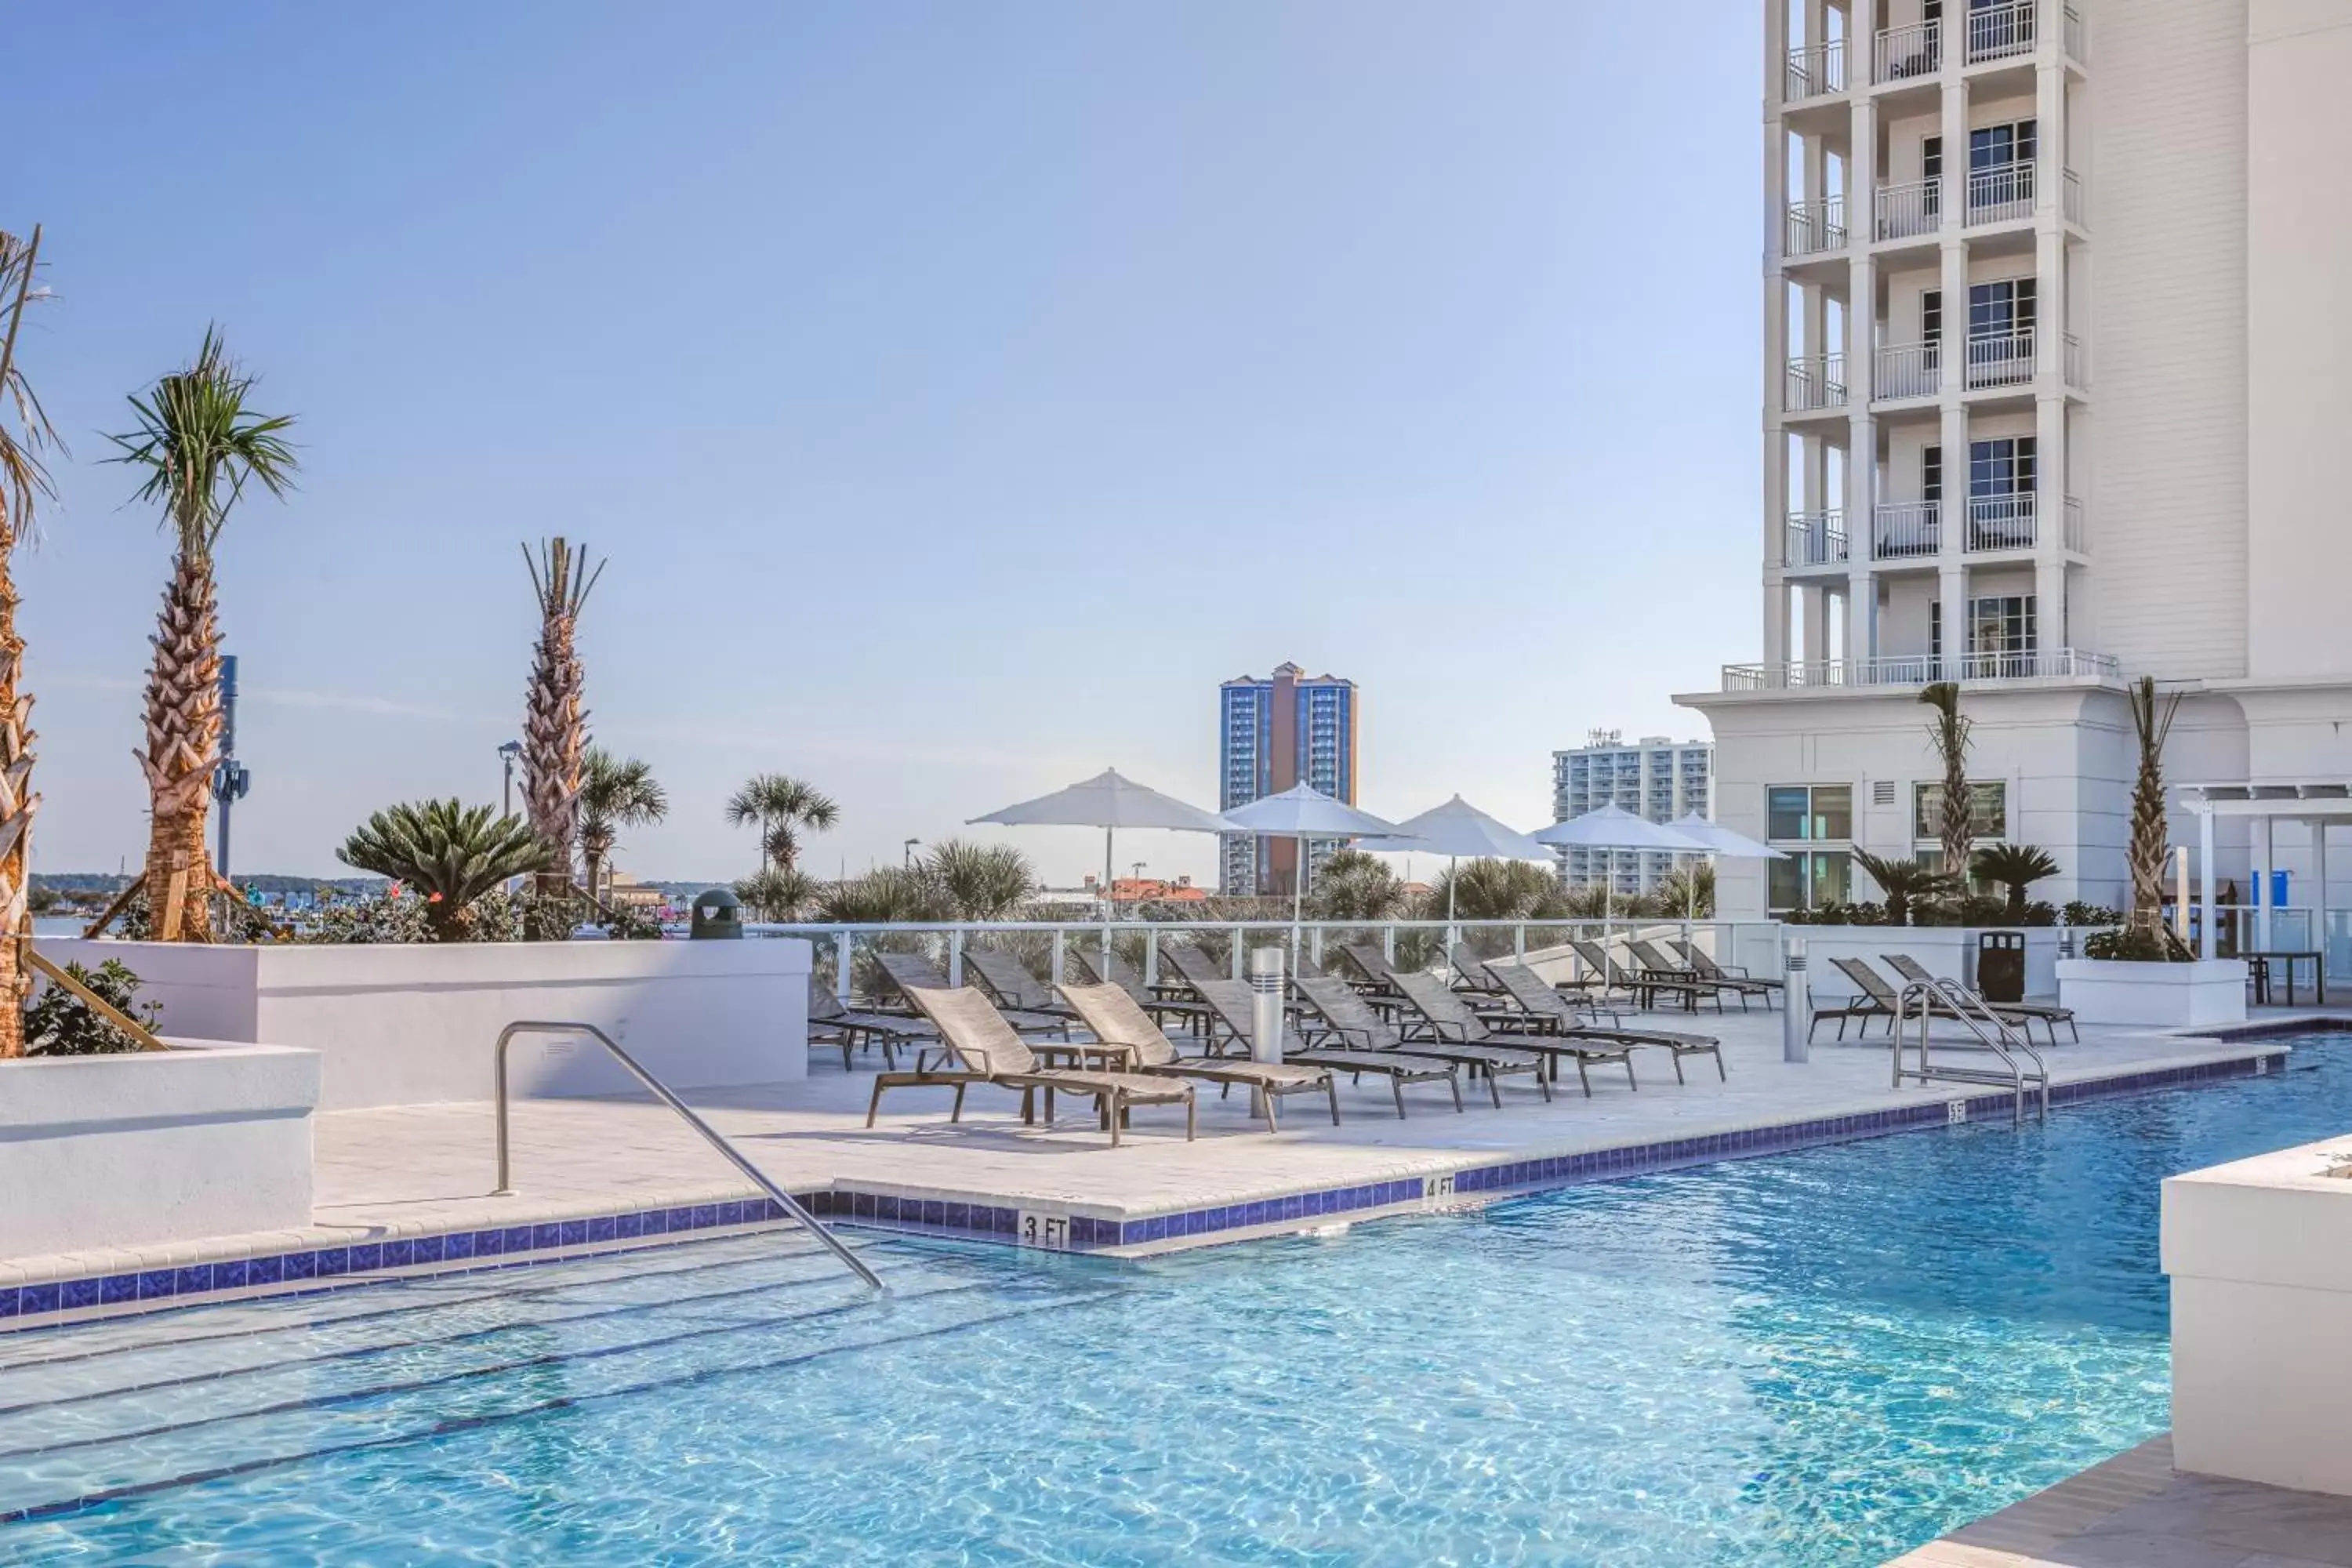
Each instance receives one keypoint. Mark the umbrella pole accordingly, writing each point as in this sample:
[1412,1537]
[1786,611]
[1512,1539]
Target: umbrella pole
[1298,897]
[1107,903]
[1452,932]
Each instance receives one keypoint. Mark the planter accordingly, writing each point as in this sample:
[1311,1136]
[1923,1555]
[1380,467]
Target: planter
[415,1025]
[1949,953]
[2154,996]
[156,1146]
[2260,1253]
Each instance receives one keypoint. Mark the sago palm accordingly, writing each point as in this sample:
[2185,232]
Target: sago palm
[614,793]
[555,725]
[1948,734]
[2016,866]
[2150,837]
[200,446]
[782,808]
[23,482]
[1902,883]
[448,854]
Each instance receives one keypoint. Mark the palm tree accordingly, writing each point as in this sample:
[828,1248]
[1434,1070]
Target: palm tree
[22,482]
[2016,866]
[1685,889]
[450,854]
[887,895]
[783,808]
[776,893]
[555,726]
[1499,891]
[614,793]
[2150,837]
[1949,733]
[200,446]
[981,881]
[1902,881]
[1356,885]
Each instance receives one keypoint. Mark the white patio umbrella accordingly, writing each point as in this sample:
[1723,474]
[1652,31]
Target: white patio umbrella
[1459,831]
[1109,802]
[1300,813]
[1612,829]
[1722,841]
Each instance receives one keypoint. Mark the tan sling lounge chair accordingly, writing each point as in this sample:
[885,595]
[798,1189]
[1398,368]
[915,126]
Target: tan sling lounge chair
[1349,1017]
[1556,1015]
[1115,1017]
[1234,1005]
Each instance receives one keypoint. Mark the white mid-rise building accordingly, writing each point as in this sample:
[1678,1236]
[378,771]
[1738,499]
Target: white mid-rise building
[2054,336]
[1654,778]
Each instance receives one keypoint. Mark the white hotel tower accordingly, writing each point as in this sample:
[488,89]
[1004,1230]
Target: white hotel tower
[2057,347]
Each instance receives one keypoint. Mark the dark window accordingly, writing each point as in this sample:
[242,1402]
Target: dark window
[1935,629]
[1997,146]
[1931,474]
[1997,310]
[2001,467]
[1931,316]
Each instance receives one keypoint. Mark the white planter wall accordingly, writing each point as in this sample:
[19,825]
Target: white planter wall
[1949,953]
[156,1146]
[2154,996]
[2260,1253]
[415,1025]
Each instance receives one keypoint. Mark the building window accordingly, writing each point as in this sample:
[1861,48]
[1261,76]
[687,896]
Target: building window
[1988,816]
[1809,879]
[1809,816]
[1931,316]
[1999,146]
[2002,623]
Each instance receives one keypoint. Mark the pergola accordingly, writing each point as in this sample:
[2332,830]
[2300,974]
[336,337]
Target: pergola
[2318,803]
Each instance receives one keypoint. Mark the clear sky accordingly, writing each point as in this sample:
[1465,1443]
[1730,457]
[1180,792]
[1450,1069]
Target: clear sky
[959,391]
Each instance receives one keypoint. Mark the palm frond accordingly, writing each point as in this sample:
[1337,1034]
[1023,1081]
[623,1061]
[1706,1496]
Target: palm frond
[24,478]
[200,446]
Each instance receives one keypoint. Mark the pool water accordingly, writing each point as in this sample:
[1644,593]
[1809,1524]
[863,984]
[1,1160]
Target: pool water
[1820,1358]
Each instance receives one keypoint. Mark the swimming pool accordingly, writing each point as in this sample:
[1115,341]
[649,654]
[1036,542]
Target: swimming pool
[1818,1358]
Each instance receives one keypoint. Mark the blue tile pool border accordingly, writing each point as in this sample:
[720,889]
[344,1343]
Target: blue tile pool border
[343,1264]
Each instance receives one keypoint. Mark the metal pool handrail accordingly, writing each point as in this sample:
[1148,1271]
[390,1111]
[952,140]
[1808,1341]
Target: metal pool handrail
[661,1091]
[1978,1016]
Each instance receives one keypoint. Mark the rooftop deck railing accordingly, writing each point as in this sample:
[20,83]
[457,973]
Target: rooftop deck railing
[1919,669]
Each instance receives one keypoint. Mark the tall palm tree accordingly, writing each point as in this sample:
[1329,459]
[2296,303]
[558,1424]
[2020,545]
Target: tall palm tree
[448,854]
[555,726]
[614,793]
[783,808]
[2016,866]
[200,446]
[1901,882]
[1949,733]
[2150,835]
[22,482]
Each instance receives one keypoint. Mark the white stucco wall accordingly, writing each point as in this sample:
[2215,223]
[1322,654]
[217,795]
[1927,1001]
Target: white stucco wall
[213,1139]
[412,1025]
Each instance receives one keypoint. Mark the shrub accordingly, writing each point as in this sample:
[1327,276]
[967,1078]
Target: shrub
[60,1024]
[2078,913]
[2139,945]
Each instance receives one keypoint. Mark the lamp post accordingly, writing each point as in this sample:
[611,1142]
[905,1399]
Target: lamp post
[907,854]
[508,754]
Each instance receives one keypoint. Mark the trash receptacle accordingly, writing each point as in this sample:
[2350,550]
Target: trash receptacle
[2000,965]
[716,914]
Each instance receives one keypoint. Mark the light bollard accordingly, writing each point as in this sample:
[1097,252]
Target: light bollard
[1796,1004]
[1265,1013]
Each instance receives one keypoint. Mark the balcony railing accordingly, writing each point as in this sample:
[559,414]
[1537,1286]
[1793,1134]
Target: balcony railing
[2003,522]
[1905,530]
[1906,52]
[2075,364]
[1920,669]
[2000,193]
[1908,210]
[1815,227]
[2077,42]
[2070,189]
[1816,382]
[1815,539]
[2001,359]
[1997,32]
[2073,538]
[1814,69]
[1910,369]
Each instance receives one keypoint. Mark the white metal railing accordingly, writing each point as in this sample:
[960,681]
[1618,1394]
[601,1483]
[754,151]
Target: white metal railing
[2076,367]
[1906,52]
[1908,370]
[1905,530]
[1815,227]
[1910,209]
[2076,41]
[1816,382]
[2070,187]
[2072,537]
[1814,69]
[1815,539]
[2002,521]
[2001,359]
[1997,32]
[2000,193]
[1919,669]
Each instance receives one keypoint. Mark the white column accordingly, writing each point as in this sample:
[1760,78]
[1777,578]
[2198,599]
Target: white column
[1952,592]
[1862,337]
[2207,939]
[2263,888]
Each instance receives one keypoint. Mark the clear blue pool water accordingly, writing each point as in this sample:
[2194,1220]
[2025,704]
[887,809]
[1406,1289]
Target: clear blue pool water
[1823,1358]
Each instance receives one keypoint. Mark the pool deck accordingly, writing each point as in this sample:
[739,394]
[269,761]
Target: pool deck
[2137,1511]
[408,1188]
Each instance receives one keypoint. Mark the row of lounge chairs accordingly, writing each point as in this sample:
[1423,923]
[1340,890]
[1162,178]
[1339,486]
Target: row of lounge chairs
[1423,1032]
[1878,999]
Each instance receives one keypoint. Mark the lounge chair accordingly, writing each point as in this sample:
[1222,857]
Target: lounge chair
[1448,1017]
[1863,1009]
[1010,985]
[1529,991]
[989,1050]
[1233,1003]
[1879,1000]
[1642,987]
[910,974]
[2023,1013]
[1114,971]
[1113,1017]
[1347,1015]
[829,1022]
[1704,965]
[1656,959]
[1372,965]
[1470,968]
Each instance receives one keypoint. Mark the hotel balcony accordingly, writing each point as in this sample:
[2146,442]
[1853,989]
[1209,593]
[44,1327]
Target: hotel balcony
[1905,530]
[2001,194]
[1814,69]
[1814,228]
[1914,530]
[1920,669]
[1906,52]
[2001,32]
[1994,360]
[1813,540]
[1909,210]
[1815,382]
[2001,359]
[1908,370]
